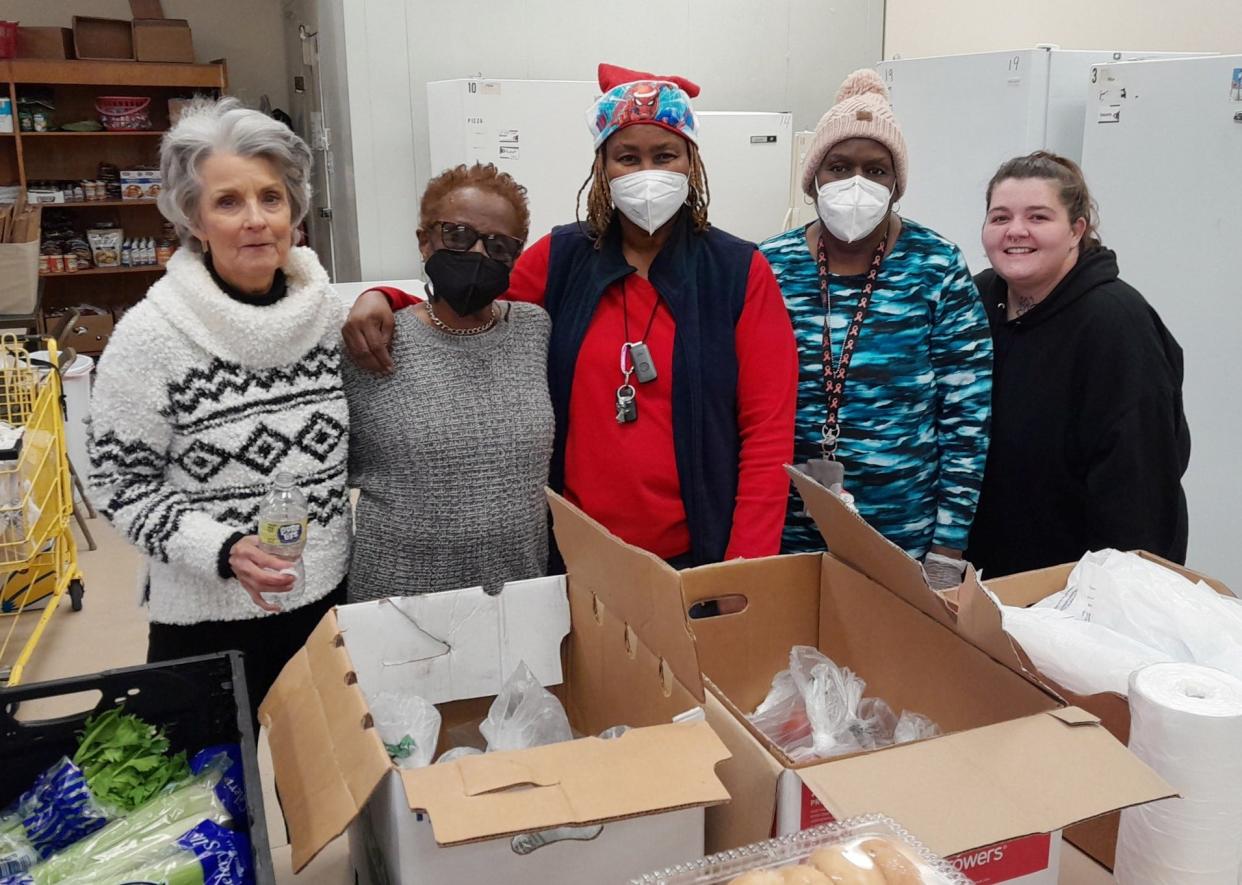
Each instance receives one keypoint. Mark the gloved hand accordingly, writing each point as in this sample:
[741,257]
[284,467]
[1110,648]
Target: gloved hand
[943,572]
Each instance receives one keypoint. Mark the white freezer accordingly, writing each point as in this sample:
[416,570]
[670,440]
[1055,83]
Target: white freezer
[536,131]
[964,115]
[1162,152]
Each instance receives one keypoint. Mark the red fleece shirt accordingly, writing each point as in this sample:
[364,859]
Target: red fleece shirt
[625,475]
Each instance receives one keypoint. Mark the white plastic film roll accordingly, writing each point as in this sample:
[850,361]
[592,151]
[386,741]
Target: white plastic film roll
[1186,723]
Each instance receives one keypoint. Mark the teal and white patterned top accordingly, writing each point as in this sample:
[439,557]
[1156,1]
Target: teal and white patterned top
[917,402]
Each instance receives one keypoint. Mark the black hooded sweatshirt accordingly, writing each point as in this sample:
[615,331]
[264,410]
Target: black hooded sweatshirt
[1089,440]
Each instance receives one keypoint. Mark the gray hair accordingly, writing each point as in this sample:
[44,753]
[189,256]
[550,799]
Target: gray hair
[223,125]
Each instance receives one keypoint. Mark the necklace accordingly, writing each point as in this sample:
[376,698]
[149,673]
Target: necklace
[449,330]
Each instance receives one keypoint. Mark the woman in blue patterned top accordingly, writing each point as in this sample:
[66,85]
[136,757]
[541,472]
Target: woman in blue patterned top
[910,367]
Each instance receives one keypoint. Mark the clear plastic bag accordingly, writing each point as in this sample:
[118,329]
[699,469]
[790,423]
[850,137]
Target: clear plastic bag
[912,727]
[816,710]
[408,725]
[524,714]
[458,753]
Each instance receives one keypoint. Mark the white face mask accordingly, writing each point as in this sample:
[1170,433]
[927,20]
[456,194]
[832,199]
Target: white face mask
[651,197]
[852,208]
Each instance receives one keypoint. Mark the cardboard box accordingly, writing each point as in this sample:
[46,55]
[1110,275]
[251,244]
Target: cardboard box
[140,184]
[19,277]
[1015,764]
[552,814]
[102,38]
[89,334]
[163,40]
[980,621]
[45,43]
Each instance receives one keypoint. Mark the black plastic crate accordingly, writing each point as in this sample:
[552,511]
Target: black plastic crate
[198,702]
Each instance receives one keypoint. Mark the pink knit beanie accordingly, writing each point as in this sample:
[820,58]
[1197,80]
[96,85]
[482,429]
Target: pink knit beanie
[862,111]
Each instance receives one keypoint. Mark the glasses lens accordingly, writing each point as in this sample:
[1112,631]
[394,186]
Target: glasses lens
[458,237]
[501,248]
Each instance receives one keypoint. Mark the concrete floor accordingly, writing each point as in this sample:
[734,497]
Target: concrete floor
[111,631]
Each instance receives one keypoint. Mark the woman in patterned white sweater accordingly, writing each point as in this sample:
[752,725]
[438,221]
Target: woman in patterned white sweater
[226,373]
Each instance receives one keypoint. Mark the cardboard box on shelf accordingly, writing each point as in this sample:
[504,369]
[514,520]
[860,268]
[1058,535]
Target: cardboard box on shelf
[163,40]
[89,334]
[106,39]
[140,184]
[45,43]
[1014,766]
[980,621]
[554,814]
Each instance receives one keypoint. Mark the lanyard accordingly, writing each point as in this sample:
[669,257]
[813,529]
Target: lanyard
[834,375]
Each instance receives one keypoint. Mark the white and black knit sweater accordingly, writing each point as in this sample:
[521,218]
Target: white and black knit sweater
[199,401]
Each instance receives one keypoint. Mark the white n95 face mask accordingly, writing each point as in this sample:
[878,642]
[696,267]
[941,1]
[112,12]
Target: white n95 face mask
[852,208]
[651,197]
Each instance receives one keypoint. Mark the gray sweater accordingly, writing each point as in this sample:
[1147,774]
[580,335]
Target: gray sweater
[450,454]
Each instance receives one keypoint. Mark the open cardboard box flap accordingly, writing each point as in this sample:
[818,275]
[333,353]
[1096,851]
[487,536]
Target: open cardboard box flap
[587,781]
[991,784]
[851,540]
[327,758]
[638,587]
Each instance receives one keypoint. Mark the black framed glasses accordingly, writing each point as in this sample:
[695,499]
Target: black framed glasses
[462,237]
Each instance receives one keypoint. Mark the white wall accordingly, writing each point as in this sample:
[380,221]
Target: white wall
[915,28]
[782,55]
[245,32]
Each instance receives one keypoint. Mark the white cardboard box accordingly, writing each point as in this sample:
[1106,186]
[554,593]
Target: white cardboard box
[541,816]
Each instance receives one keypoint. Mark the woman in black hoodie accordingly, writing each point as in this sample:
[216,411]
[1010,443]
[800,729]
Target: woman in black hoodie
[1089,440]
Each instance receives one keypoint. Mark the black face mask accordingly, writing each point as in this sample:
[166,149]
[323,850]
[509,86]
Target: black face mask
[466,281]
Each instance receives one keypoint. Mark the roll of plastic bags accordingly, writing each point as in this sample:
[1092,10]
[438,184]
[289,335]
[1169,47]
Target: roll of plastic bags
[1186,723]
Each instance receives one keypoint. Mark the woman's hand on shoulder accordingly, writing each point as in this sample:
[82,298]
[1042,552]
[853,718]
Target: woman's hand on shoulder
[259,572]
[368,333]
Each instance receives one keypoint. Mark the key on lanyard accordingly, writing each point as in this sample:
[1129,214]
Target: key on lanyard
[627,409]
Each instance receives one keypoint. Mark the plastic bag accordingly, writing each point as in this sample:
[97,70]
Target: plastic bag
[1119,613]
[613,733]
[226,759]
[142,833]
[816,710]
[458,753]
[524,714]
[913,727]
[408,725]
[55,812]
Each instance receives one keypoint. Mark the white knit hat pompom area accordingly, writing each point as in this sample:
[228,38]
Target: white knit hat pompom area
[862,110]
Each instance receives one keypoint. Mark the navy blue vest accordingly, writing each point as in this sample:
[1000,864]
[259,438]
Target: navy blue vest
[702,278]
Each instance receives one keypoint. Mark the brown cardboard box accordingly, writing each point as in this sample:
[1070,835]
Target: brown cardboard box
[980,621]
[102,38]
[89,334]
[641,795]
[45,43]
[163,40]
[1014,765]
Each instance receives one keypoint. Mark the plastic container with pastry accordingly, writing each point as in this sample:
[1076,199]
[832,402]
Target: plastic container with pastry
[868,850]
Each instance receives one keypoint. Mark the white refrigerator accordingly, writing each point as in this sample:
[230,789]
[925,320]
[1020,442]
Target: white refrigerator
[963,115]
[536,131]
[1162,152]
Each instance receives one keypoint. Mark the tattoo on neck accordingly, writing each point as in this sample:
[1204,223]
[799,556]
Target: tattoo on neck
[1022,305]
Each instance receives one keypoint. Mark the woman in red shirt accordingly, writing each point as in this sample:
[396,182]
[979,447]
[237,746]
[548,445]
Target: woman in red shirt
[672,364]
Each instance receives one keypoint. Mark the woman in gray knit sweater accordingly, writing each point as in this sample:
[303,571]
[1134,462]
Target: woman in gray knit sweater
[450,450]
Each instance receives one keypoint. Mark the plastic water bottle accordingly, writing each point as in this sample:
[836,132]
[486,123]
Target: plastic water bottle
[282,529]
